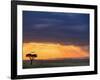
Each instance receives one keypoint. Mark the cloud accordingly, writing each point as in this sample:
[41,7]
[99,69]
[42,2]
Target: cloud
[41,26]
[64,28]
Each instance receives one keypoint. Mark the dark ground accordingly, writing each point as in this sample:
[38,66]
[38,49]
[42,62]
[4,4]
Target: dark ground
[55,63]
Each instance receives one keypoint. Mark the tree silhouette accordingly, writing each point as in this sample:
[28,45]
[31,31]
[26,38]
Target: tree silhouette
[31,56]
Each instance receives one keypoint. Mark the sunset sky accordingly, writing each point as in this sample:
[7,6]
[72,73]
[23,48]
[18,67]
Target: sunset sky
[55,35]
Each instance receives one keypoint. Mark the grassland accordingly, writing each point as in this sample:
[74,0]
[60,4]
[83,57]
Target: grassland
[55,63]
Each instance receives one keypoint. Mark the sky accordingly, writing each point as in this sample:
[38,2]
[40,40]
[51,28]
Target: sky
[62,32]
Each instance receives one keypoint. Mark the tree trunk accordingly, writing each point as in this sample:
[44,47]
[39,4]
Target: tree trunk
[31,62]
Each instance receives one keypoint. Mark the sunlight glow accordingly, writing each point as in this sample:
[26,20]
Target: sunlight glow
[48,51]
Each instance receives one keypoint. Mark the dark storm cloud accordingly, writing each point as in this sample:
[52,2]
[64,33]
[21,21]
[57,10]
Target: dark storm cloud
[65,28]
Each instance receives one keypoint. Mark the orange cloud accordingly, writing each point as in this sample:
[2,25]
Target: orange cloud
[54,51]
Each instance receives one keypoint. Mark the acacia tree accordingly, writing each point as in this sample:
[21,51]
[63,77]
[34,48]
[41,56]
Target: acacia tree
[31,57]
